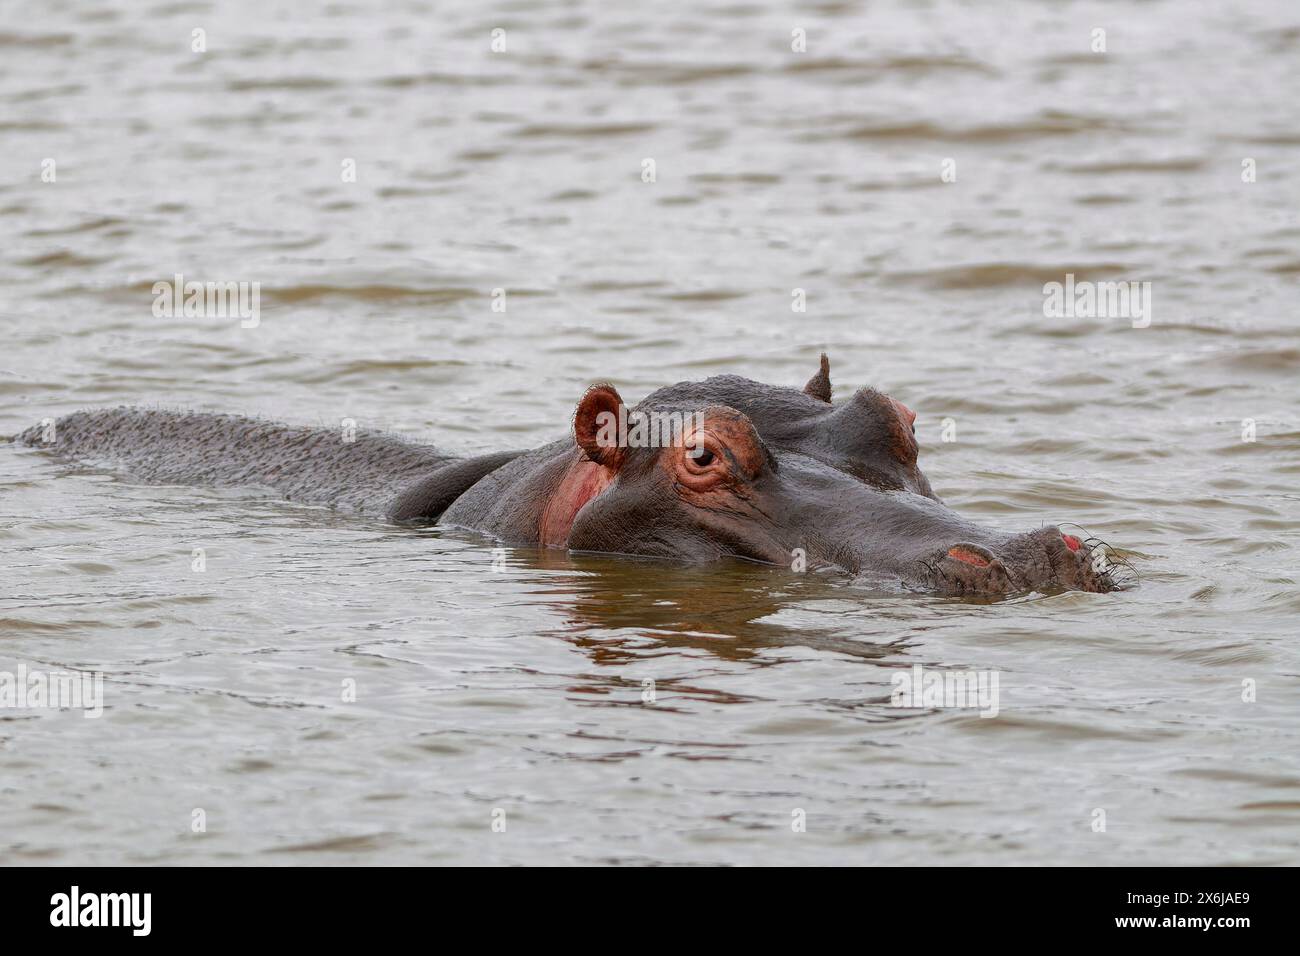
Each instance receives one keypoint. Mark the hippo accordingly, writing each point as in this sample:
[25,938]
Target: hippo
[761,473]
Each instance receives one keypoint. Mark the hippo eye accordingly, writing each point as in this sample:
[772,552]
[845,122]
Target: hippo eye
[703,463]
[702,457]
[728,453]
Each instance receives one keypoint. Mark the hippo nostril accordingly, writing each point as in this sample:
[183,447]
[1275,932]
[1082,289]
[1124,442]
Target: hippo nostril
[1071,541]
[972,569]
[969,555]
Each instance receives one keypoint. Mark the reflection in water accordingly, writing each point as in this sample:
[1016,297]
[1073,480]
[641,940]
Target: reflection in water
[727,609]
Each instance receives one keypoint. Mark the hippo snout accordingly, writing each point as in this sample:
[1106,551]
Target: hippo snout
[1046,559]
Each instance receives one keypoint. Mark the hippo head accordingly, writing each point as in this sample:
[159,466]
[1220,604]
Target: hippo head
[780,475]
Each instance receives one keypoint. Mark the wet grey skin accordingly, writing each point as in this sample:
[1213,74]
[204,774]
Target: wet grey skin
[772,474]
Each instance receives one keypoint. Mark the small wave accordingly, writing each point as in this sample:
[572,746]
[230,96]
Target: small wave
[911,66]
[343,844]
[371,369]
[704,295]
[1058,730]
[49,92]
[368,293]
[1253,360]
[282,83]
[62,257]
[87,225]
[1184,165]
[664,74]
[582,130]
[409,80]
[747,179]
[1046,124]
[363,292]
[1275,139]
[30,40]
[29,126]
[993,275]
[573,195]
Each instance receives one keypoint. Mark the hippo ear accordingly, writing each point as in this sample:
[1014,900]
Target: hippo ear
[819,386]
[596,425]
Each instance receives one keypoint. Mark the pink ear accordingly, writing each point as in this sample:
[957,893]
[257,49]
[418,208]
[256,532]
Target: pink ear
[908,415]
[599,407]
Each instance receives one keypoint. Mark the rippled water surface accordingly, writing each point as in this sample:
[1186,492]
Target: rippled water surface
[520,689]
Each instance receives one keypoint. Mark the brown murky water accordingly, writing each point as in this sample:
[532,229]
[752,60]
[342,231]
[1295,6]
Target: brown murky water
[520,690]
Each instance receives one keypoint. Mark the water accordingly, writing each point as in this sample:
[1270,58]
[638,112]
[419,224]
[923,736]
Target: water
[520,690]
